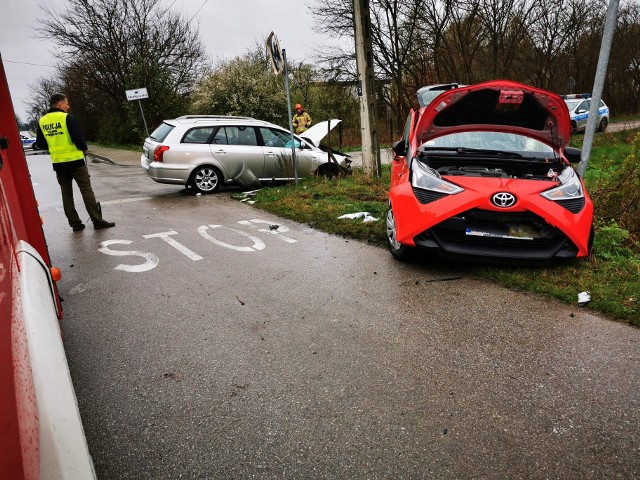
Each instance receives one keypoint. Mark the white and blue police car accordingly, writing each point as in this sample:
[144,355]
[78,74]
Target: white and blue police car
[27,139]
[579,105]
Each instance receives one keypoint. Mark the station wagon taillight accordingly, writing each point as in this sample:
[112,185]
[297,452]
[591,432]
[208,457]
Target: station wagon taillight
[159,152]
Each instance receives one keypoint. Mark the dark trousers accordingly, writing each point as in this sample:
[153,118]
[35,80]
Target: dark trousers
[82,178]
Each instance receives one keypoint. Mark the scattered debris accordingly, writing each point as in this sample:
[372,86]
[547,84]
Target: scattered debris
[246,196]
[274,227]
[583,298]
[198,194]
[241,302]
[366,216]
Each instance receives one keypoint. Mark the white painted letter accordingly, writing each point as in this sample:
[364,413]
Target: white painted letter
[257,243]
[276,231]
[175,244]
[151,260]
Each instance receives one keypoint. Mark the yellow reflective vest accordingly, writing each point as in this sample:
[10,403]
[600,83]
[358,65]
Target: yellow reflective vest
[61,148]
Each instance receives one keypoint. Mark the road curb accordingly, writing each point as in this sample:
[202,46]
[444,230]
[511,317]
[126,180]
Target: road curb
[99,158]
[103,159]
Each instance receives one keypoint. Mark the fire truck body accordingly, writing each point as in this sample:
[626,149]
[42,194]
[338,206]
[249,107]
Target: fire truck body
[41,434]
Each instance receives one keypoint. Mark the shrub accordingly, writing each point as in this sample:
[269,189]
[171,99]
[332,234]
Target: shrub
[616,195]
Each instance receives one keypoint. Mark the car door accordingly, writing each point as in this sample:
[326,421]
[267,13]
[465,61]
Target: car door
[193,148]
[582,114]
[235,146]
[278,157]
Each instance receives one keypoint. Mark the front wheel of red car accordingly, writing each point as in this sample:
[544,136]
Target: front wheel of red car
[398,250]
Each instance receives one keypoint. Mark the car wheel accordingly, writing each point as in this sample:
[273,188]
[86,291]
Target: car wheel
[206,179]
[603,125]
[328,170]
[574,128]
[398,250]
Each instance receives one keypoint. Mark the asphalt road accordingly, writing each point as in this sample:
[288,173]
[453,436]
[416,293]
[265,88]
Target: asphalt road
[208,339]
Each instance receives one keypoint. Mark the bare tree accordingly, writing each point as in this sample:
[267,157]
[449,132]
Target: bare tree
[42,90]
[420,42]
[622,89]
[109,46]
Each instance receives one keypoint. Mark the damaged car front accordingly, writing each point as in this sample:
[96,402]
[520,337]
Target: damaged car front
[484,172]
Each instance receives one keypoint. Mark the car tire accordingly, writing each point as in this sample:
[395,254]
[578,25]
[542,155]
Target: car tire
[206,179]
[604,123]
[399,251]
[328,170]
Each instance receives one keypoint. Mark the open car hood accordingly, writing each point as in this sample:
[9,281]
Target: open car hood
[497,105]
[318,131]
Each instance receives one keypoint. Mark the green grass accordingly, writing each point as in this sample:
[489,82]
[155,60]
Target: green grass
[611,274]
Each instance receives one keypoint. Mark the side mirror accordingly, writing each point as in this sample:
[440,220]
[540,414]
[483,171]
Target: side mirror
[573,154]
[400,148]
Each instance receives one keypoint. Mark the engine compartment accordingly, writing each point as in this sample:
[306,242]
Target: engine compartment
[528,169]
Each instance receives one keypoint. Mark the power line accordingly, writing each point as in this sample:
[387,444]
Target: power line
[27,63]
[198,11]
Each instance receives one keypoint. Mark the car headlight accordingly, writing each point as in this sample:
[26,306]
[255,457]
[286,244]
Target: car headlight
[427,178]
[570,188]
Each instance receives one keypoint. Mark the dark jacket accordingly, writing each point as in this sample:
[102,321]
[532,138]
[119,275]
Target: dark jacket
[76,137]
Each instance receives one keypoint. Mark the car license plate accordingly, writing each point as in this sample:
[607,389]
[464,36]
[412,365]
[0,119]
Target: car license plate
[498,234]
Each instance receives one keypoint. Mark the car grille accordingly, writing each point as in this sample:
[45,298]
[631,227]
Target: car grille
[498,234]
[427,196]
[574,205]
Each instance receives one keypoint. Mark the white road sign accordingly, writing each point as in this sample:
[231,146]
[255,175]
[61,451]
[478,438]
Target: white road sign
[137,94]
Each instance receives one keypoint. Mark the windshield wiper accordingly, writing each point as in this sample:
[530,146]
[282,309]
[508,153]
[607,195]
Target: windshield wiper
[482,151]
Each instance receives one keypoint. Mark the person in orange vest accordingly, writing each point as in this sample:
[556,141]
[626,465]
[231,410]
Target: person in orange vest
[301,120]
[60,133]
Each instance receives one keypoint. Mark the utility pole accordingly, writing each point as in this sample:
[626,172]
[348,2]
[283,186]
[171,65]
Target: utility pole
[598,85]
[366,88]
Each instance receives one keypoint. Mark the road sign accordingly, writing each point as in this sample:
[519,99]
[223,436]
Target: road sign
[275,53]
[137,94]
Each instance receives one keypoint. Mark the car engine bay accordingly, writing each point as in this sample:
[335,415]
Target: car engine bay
[527,169]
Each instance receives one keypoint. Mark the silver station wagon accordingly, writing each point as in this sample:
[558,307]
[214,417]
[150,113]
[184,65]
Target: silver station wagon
[205,152]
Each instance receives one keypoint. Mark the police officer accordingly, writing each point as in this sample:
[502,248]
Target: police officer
[60,133]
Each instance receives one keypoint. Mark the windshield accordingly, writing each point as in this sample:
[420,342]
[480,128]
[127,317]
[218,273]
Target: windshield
[500,141]
[571,104]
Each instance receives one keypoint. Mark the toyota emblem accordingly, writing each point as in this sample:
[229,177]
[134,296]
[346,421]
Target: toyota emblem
[503,199]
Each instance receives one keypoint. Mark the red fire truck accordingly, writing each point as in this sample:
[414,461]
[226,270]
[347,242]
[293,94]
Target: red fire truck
[41,434]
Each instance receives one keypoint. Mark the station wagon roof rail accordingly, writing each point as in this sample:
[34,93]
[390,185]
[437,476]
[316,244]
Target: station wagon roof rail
[212,117]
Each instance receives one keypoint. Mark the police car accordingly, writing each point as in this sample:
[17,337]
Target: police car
[579,105]
[27,139]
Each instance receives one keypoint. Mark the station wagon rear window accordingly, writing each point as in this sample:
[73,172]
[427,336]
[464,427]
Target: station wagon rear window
[160,133]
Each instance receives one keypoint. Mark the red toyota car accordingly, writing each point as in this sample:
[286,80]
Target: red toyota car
[483,172]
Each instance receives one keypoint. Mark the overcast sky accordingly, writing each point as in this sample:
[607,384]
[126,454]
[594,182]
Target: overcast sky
[227,27]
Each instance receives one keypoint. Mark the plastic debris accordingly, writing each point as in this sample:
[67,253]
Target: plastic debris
[366,216]
[583,298]
[198,194]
